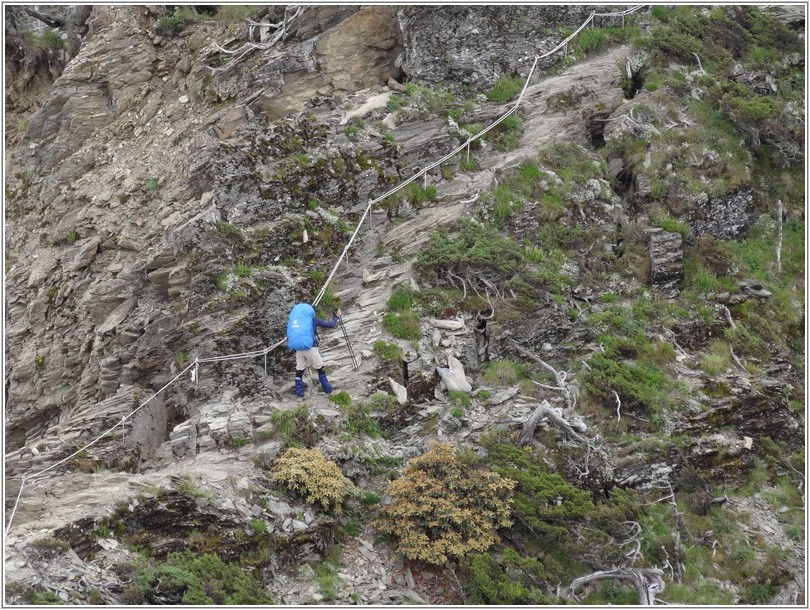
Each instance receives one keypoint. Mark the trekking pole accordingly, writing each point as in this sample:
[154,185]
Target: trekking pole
[348,344]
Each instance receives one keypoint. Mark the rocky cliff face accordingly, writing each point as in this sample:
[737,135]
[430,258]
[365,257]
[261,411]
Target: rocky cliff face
[172,192]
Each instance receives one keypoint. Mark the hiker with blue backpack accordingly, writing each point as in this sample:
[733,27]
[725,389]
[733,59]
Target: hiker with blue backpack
[302,337]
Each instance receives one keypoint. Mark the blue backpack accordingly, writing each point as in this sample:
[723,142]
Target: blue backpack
[300,327]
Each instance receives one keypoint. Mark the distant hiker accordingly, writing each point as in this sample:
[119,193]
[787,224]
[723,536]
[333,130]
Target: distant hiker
[302,337]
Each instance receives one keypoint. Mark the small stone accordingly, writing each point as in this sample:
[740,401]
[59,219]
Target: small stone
[368,545]
[399,391]
[317,597]
[447,324]
[409,578]
[183,99]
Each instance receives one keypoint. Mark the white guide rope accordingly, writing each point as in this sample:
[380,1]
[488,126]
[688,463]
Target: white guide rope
[195,373]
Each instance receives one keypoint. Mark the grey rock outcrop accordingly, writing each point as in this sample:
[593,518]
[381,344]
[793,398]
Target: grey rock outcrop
[666,262]
[463,50]
[357,52]
[726,217]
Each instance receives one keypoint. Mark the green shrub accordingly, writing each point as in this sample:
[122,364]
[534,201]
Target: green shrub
[395,102]
[388,351]
[327,576]
[459,398]
[369,498]
[172,25]
[506,88]
[258,526]
[505,372]
[544,502]
[670,224]
[294,426]
[186,485]
[342,398]
[359,420]
[151,184]
[46,42]
[660,12]
[488,583]
[196,580]
[401,299]
[445,506]
[47,598]
[307,471]
[625,367]
[242,271]
[592,40]
[403,325]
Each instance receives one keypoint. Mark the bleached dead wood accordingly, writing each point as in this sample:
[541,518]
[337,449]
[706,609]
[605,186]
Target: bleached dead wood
[635,540]
[700,71]
[647,581]
[729,319]
[247,48]
[545,411]
[560,376]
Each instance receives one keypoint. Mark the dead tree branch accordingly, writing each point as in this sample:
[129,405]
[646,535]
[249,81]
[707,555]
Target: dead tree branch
[635,540]
[248,47]
[736,360]
[461,279]
[562,385]
[48,20]
[729,319]
[545,411]
[647,581]
[701,71]
[618,406]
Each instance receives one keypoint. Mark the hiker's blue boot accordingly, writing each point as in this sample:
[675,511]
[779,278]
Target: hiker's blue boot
[327,387]
[300,387]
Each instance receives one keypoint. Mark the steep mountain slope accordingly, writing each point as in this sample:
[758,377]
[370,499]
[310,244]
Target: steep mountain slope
[603,268]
